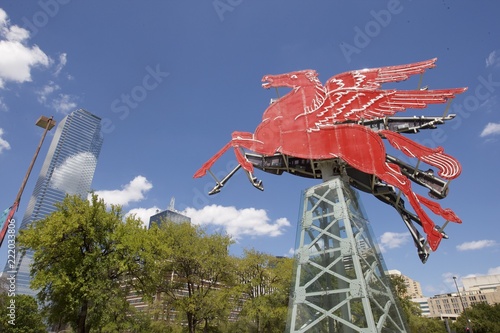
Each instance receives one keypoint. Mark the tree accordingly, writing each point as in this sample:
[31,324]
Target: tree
[24,317]
[80,260]
[413,314]
[189,271]
[265,283]
[484,318]
[409,308]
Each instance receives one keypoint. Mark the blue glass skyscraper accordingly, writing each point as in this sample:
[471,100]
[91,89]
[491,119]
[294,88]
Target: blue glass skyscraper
[68,169]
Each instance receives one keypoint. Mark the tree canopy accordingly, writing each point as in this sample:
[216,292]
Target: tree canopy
[265,283]
[79,260]
[483,318]
[416,322]
[88,257]
[24,319]
[189,271]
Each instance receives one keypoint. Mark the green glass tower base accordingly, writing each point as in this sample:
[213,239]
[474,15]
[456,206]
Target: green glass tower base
[339,283]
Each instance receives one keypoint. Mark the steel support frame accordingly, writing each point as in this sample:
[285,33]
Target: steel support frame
[339,280]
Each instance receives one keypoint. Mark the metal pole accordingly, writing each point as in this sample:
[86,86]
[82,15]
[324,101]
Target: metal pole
[469,324]
[48,124]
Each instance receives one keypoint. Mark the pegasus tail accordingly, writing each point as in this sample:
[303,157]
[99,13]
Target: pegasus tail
[449,167]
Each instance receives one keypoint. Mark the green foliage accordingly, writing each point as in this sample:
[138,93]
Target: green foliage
[416,323]
[79,260]
[265,283]
[87,258]
[24,317]
[484,318]
[191,271]
[421,324]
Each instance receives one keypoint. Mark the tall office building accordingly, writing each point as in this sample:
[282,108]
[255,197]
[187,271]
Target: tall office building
[68,169]
[168,215]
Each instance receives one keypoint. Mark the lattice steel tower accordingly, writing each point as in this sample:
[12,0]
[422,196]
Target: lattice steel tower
[339,281]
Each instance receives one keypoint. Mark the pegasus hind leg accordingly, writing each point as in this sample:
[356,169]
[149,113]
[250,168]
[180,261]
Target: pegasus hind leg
[393,176]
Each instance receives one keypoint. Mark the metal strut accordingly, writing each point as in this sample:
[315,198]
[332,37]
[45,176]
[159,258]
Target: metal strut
[257,183]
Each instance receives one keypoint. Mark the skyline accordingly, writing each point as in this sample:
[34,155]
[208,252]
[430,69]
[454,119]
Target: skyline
[171,82]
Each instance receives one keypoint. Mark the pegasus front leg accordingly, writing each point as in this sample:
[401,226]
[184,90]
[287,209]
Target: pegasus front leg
[244,140]
[247,140]
[239,140]
[208,164]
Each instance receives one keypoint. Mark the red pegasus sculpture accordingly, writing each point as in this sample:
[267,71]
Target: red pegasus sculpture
[324,122]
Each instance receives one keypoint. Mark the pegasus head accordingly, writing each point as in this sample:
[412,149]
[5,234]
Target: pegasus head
[293,79]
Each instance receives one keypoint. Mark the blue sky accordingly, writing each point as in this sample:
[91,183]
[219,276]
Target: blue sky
[173,79]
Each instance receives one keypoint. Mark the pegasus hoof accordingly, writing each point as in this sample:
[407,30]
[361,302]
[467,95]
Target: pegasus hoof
[423,255]
[215,190]
[258,184]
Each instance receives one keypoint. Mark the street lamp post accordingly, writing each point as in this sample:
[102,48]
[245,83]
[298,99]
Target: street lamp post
[469,324]
[47,124]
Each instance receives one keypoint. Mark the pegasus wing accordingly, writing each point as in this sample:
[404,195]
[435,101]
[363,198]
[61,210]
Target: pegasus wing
[365,104]
[372,78]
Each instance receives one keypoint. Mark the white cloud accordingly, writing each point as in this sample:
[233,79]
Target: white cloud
[3,106]
[143,214]
[63,60]
[16,58]
[491,129]
[4,145]
[68,176]
[3,18]
[392,240]
[238,222]
[132,192]
[64,103]
[476,245]
[448,277]
[46,91]
[493,59]
[494,271]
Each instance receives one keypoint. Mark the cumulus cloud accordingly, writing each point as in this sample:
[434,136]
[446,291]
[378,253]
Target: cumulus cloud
[16,57]
[4,145]
[494,271]
[132,192]
[476,245]
[62,103]
[238,222]
[493,59]
[3,106]
[393,240]
[63,60]
[491,129]
[46,91]
[68,176]
[448,278]
[143,214]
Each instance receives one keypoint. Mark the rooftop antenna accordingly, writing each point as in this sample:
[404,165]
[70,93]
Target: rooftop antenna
[172,204]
